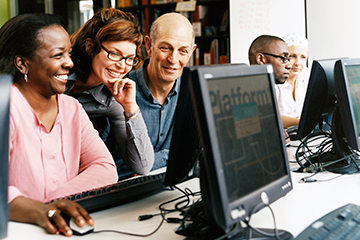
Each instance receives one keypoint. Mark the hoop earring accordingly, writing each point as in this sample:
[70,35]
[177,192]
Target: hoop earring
[25,77]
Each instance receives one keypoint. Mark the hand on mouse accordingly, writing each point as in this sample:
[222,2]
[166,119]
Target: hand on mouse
[48,215]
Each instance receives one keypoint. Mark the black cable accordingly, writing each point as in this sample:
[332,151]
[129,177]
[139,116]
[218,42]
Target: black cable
[255,209]
[132,234]
[187,192]
[313,161]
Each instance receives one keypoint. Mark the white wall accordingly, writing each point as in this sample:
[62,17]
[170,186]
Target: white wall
[251,18]
[333,28]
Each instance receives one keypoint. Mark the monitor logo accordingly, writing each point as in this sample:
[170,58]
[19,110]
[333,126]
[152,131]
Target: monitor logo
[285,186]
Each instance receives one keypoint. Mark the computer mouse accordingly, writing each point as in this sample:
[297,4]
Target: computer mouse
[86,229]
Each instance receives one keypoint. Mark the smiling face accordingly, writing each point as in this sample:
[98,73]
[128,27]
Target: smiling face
[48,69]
[104,69]
[171,50]
[298,56]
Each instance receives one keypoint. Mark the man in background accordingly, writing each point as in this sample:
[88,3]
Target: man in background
[267,49]
[169,46]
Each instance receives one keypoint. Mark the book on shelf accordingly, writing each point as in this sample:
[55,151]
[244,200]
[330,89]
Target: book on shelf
[160,1]
[197,57]
[197,28]
[123,3]
[188,6]
[207,58]
[224,21]
[223,59]
[214,51]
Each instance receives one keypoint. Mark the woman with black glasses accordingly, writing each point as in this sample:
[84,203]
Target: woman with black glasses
[104,50]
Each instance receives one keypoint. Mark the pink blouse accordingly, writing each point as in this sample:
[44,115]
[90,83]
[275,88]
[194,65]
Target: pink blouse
[48,165]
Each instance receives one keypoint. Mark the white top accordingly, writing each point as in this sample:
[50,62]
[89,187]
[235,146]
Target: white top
[287,105]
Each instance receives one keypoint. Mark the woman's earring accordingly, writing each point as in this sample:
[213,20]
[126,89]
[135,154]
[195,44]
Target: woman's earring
[25,77]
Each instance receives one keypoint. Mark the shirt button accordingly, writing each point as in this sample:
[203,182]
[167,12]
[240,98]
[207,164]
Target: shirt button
[161,134]
[102,101]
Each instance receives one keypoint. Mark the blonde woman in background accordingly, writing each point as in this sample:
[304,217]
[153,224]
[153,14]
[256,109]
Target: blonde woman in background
[292,93]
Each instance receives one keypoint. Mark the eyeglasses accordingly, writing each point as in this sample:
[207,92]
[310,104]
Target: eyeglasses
[116,57]
[284,59]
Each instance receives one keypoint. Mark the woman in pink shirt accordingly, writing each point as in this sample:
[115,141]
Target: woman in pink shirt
[54,149]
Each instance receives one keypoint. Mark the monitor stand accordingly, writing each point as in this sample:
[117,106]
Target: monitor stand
[201,227]
[332,164]
[245,234]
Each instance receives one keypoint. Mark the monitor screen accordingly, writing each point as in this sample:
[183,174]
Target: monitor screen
[5,83]
[245,163]
[347,82]
[320,97]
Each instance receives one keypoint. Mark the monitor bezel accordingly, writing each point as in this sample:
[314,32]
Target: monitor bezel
[346,113]
[5,85]
[185,148]
[215,198]
[320,97]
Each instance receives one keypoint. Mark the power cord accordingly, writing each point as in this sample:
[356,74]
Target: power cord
[313,156]
[310,179]
[247,222]
[187,193]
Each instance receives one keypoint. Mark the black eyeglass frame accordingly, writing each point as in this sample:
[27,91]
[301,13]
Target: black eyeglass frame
[127,59]
[284,59]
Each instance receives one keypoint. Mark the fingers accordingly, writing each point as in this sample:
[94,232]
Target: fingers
[118,85]
[60,222]
[71,209]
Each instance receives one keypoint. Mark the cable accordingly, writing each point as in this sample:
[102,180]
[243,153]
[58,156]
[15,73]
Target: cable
[322,157]
[132,234]
[187,192]
[310,180]
[247,222]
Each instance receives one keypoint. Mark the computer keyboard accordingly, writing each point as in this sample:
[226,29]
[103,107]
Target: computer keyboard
[120,193]
[342,223]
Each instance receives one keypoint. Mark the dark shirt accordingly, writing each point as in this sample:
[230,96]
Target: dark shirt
[159,118]
[133,146]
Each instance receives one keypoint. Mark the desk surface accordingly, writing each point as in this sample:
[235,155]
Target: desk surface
[294,212]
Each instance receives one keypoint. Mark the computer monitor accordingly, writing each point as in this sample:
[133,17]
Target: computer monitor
[346,123]
[185,148]
[244,167]
[5,83]
[320,97]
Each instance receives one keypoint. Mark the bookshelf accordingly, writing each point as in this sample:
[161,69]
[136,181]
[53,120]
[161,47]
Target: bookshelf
[210,20]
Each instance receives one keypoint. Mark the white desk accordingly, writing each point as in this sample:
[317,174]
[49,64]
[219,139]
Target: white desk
[294,212]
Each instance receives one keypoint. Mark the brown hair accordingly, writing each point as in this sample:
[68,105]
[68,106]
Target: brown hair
[106,25]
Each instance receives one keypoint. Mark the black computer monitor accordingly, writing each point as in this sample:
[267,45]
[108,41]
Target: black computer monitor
[320,97]
[185,148]
[346,123]
[245,166]
[5,83]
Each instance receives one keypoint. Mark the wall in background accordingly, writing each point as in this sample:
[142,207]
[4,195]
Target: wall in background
[333,28]
[4,11]
[250,19]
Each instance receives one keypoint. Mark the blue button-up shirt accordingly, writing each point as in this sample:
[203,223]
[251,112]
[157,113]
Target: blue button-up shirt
[158,118]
